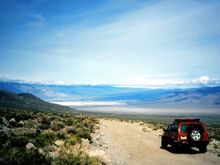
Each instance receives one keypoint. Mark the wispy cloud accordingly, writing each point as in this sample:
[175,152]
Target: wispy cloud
[90,103]
[114,43]
[152,82]
[170,82]
[37,21]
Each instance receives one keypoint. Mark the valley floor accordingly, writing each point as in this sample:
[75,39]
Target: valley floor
[126,143]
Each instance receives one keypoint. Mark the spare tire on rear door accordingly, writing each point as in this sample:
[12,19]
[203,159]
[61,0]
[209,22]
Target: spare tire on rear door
[195,135]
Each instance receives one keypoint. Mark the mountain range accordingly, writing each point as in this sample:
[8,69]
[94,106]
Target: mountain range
[201,96]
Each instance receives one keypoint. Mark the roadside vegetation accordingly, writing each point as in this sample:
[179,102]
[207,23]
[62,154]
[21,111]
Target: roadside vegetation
[28,137]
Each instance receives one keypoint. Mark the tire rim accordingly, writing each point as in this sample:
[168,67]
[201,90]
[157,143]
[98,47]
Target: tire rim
[195,135]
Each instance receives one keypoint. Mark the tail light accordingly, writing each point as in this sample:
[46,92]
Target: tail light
[182,137]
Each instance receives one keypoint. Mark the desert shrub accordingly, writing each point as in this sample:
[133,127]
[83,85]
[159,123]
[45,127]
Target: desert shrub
[75,157]
[56,126]
[44,126]
[69,122]
[12,122]
[88,124]
[155,125]
[31,123]
[1,121]
[214,133]
[84,133]
[41,141]
[94,120]
[29,132]
[45,120]
[54,117]
[43,129]
[32,157]
[23,115]
[72,140]
[19,141]
[83,127]
[45,138]
[61,135]
[71,130]
[3,162]
[3,137]
[49,134]
[20,124]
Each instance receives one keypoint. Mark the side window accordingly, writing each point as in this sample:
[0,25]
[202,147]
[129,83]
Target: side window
[174,128]
[169,128]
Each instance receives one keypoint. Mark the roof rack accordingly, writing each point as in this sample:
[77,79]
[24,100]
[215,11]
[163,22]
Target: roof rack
[186,120]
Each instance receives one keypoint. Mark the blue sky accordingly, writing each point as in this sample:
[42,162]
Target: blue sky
[130,42]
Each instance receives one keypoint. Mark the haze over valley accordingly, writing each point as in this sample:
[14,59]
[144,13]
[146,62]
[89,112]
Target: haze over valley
[127,100]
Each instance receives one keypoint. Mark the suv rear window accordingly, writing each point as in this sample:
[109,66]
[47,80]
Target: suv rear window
[187,127]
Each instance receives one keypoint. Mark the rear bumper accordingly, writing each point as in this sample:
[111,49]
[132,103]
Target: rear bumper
[192,144]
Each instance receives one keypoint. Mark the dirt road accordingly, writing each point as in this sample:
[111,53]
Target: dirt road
[124,143]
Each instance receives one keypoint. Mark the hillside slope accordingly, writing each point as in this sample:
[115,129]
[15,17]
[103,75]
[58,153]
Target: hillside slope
[30,102]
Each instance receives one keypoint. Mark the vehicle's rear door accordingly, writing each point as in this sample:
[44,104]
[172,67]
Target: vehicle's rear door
[174,132]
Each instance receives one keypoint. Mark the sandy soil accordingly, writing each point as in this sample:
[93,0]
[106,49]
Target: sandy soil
[124,143]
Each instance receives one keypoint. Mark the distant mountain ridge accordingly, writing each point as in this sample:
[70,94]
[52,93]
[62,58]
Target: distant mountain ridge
[66,92]
[202,96]
[30,102]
